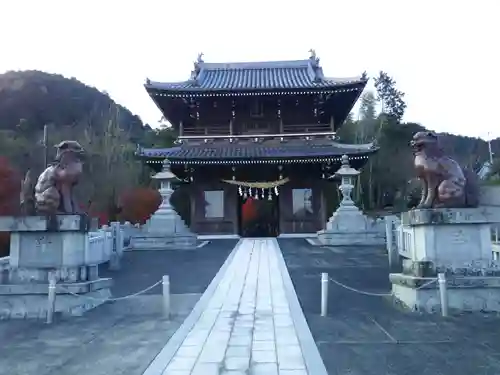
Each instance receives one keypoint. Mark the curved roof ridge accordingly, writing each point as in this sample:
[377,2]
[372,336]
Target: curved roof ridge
[354,146]
[256,65]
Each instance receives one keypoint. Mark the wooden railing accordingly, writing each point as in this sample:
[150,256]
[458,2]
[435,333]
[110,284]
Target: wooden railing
[240,130]
[206,130]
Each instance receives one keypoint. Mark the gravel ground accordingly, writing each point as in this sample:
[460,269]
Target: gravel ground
[370,335]
[121,337]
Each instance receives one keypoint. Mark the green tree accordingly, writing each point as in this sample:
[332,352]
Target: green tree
[367,109]
[392,100]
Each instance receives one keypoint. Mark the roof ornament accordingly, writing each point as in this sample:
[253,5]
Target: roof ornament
[313,58]
[200,58]
[197,67]
[364,76]
[148,81]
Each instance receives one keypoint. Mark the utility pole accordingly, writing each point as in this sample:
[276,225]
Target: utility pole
[489,148]
[45,146]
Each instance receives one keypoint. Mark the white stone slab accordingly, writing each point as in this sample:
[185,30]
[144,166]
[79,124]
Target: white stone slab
[247,322]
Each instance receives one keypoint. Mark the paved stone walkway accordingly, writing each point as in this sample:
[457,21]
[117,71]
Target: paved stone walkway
[248,325]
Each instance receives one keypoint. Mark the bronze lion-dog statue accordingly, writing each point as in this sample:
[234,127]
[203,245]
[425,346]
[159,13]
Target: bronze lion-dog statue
[54,190]
[445,183]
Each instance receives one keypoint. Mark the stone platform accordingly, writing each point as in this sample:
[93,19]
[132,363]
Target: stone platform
[45,246]
[464,293]
[163,242]
[456,242]
[249,321]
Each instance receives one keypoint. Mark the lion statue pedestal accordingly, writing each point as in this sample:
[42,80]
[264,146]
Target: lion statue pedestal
[456,242]
[41,246]
[447,233]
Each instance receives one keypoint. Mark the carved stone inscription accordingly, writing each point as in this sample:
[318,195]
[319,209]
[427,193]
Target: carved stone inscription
[459,237]
[457,243]
[40,250]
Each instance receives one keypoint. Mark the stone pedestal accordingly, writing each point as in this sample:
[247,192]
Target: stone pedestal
[456,242]
[348,225]
[165,229]
[43,246]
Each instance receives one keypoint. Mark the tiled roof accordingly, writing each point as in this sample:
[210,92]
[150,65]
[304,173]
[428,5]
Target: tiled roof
[270,75]
[255,152]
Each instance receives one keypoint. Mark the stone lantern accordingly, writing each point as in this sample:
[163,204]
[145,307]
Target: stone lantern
[348,225]
[165,177]
[348,178]
[165,228]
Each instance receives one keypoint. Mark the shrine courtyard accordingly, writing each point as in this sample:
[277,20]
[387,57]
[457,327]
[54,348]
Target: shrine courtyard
[236,311]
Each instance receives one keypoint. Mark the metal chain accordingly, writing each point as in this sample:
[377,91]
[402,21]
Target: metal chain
[374,294]
[428,283]
[111,299]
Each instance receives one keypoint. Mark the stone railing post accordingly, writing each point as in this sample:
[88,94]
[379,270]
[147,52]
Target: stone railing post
[127,233]
[391,223]
[116,246]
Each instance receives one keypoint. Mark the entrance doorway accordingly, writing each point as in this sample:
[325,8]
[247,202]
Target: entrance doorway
[258,217]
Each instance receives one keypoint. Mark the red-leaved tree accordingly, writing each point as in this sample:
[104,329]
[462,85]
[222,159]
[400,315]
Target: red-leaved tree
[10,189]
[137,205]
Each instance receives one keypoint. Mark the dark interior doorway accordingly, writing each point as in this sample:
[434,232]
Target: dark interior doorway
[259,217]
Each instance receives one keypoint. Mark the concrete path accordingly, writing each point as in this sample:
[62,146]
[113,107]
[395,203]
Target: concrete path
[249,321]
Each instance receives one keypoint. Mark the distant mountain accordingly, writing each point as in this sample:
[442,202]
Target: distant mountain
[36,98]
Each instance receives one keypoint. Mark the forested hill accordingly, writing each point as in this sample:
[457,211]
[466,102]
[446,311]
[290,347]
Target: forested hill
[32,99]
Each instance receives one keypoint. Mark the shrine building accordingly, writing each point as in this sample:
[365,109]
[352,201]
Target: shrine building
[257,135]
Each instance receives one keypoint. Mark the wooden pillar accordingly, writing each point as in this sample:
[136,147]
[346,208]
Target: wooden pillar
[192,207]
[281,126]
[181,129]
[332,124]
[324,213]
[231,132]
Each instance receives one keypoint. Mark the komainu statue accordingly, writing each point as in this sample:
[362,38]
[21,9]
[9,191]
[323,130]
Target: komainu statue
[54,190]
[445,183]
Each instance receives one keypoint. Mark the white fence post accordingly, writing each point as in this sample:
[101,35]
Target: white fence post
[443,294]
[324,294]
[51,306]
[166,296]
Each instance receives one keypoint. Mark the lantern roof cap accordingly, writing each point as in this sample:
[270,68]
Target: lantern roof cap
[166,174]
[345,170]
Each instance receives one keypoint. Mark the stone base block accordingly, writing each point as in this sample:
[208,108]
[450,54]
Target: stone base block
[469,293]
[151,242]
[337,238]
[31,301]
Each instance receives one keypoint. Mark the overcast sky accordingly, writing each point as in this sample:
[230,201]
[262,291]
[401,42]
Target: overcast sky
[443,54]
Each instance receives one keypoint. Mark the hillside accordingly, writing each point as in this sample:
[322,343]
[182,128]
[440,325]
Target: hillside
[34,98]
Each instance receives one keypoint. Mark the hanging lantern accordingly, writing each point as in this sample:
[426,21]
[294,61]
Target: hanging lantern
[270,194]
[276,192]
[234,170]
[245,193]
[240,191]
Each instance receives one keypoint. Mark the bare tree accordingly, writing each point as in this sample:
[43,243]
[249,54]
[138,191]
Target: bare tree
[111,166]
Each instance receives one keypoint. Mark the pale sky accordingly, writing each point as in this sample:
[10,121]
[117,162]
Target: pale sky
[443,54]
